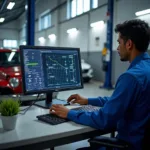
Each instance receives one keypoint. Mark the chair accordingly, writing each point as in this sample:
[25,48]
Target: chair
[111,142]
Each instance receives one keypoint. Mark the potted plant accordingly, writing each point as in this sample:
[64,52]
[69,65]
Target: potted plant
[9,109]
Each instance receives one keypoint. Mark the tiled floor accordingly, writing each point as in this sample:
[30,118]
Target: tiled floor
[90,90]
[75,145]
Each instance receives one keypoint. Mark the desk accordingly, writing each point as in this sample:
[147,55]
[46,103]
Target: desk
[30,132]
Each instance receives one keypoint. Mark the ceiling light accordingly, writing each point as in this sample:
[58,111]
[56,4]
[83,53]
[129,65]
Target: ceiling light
[2,19]
[10,5]
[97,24]
[52,36]
[143,12]
[73,30]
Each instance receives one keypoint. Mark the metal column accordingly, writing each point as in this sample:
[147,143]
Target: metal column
[107,83]
[30,22]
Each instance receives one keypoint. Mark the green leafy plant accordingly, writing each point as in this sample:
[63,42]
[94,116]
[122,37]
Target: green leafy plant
[9,107]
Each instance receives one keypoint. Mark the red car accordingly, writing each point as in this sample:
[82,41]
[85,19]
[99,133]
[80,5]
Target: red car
[10,73]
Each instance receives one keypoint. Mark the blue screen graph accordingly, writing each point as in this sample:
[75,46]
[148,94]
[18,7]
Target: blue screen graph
[51,69]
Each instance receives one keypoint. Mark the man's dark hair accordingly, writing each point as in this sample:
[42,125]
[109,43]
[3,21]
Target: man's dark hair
[136,30]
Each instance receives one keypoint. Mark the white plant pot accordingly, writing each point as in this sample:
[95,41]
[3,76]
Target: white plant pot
[9,122]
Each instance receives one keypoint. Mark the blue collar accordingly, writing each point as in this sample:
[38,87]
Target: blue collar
[140,57]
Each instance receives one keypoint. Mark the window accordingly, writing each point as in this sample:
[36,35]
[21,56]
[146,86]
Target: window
[10,43]
[79,7]
[73,8]
[24,27]
[94,3]
[45,20]
[86,5]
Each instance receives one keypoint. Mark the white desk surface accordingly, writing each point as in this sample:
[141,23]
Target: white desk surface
[30,130]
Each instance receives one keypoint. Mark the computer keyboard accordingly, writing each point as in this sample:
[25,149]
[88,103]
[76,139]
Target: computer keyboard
[88,108]
[54,120]
[51,119]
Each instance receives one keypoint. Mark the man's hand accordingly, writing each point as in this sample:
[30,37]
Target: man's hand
[76,98]
[59,110]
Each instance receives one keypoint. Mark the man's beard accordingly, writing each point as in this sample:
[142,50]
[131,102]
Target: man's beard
[123,59]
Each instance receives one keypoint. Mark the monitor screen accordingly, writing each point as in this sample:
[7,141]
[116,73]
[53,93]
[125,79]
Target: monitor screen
[50,69]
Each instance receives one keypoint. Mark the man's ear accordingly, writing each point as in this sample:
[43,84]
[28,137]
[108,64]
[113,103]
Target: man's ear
[129,44]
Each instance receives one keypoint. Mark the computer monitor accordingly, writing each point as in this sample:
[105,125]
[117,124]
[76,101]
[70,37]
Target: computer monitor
[50,69]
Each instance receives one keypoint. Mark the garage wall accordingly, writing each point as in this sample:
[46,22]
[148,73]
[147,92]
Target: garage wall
[86,37]
[9,31]
[125,10]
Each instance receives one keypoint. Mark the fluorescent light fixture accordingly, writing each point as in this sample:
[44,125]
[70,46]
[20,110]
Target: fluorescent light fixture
[42,39]
[73,30]
[10,5]
[97,24]
[2,19]
[52,36]
[143,12]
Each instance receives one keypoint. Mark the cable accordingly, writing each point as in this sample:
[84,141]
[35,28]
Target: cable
[26,109]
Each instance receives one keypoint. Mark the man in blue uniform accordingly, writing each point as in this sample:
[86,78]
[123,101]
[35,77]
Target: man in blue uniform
[129,106]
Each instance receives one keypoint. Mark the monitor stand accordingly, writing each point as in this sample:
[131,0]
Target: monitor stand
[49,101]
